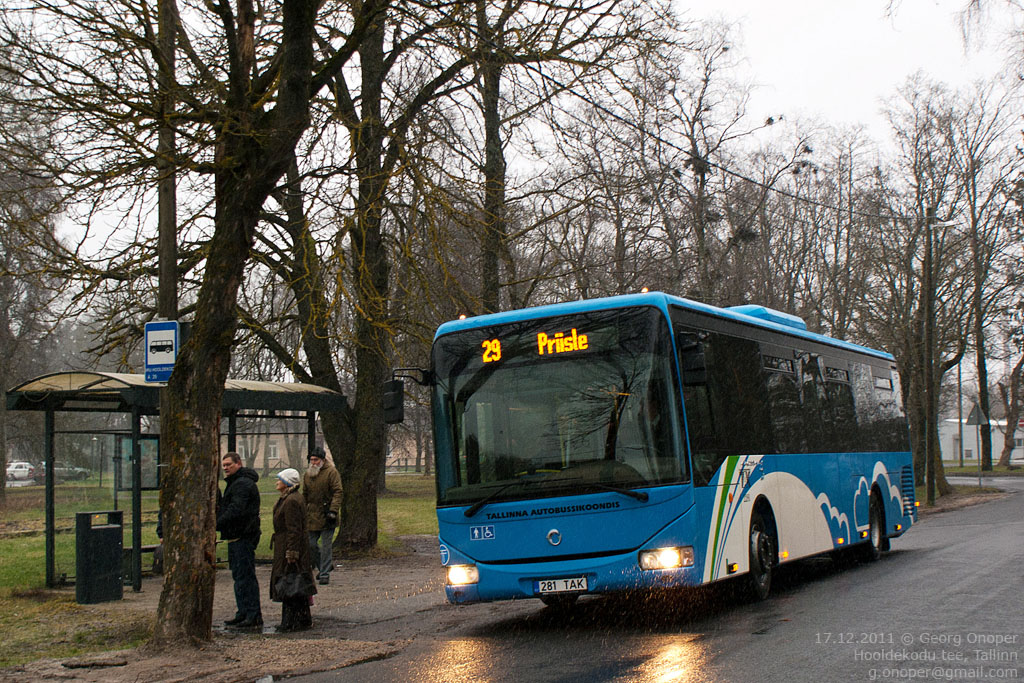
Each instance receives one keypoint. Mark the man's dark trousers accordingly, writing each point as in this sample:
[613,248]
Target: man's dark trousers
[242,561]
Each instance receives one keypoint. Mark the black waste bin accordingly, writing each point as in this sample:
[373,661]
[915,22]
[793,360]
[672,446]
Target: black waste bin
[98,540]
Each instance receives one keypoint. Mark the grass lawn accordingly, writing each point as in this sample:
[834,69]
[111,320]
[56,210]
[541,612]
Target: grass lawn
[406,508]
[42,623]
[972,471]
[958,490]
[39,624]
[25,504]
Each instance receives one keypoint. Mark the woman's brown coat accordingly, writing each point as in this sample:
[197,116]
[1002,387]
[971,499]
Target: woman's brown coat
[289,534]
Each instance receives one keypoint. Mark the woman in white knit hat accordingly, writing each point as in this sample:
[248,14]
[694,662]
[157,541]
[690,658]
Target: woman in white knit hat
[291,552]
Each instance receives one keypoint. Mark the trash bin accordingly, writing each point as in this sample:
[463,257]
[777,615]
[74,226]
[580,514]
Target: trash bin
[98,540]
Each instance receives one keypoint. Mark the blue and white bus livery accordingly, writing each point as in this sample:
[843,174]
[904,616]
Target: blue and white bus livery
[649,441]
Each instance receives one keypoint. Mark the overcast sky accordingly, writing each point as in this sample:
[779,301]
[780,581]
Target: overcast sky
[837,58]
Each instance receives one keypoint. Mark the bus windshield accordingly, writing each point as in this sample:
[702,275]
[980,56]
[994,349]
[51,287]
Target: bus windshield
[557,406]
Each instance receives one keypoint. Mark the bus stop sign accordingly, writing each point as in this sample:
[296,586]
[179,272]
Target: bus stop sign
[161,349]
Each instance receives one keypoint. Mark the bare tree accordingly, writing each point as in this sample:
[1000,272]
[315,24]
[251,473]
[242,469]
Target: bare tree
[248,106]
[987,165]
[523,66]
[813,253]
[1010,392]
[918,304]
[28,210]
[397,84]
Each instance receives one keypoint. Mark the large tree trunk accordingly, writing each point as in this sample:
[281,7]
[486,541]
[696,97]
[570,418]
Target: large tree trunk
[1011,401]
[190,437]
[943,487]
[306,282]
[370,268]
[167,187]
[3,436]
[979,344]
[360,476]
[254,150]
[915,410]
[167,294]
[494,230]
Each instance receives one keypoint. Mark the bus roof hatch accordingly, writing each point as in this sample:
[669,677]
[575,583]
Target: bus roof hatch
[771,315]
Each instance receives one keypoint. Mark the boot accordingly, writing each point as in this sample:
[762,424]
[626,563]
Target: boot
[254,623]
[287,624]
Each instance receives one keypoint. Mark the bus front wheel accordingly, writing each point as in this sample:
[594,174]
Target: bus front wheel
[762,558]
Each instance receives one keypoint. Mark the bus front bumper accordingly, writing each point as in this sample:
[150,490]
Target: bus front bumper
[620,572]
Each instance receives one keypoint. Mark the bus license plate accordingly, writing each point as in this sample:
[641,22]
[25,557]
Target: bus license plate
[571,585]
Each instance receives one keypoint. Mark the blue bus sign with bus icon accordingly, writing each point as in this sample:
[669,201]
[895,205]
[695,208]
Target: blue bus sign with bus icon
[161,349]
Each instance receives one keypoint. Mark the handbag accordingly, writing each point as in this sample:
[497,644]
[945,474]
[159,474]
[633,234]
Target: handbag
[294,585]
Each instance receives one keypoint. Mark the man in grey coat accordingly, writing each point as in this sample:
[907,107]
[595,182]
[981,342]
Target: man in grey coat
[321,487]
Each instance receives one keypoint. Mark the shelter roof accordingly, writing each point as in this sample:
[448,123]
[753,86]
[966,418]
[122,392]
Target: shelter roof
[81,390]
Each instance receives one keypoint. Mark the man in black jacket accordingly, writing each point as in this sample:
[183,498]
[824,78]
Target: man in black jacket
[238,521]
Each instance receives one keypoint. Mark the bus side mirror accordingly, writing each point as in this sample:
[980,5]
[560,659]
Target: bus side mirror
[394,401]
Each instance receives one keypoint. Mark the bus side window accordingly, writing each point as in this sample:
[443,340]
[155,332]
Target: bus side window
[727,415]
[701,428]
[879,411]
[815,403]
[699,418]
[787,414]
[841,415]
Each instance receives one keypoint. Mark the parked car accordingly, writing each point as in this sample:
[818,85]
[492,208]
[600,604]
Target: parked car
[62,473]
[20,471]
[71,473]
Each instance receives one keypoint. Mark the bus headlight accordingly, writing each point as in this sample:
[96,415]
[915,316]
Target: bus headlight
[666,558]
[462,574]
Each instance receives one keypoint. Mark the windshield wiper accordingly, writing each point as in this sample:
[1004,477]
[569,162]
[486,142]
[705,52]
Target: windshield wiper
[639,495]
[475,507]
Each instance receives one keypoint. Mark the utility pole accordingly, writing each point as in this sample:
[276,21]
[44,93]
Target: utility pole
[960,411]
[929,357]
[167,193]
[167,241]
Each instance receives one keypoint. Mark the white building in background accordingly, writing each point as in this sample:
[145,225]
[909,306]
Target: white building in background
[949,442]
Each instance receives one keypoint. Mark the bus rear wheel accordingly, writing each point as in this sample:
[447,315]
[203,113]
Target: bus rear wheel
[762,558]
[876,538]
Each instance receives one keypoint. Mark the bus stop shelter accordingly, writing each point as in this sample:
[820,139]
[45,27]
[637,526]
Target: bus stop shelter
[109,392]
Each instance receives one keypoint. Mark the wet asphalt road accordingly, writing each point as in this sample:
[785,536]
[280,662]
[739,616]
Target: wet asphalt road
[947,604]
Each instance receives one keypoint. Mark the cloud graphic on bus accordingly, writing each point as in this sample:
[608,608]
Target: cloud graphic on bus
[862,485]
[834,515]
[880,474]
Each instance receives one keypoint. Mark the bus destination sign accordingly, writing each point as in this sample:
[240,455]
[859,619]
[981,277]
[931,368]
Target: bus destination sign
[547,345]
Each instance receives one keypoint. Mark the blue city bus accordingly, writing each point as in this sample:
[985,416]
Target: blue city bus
[649,441]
